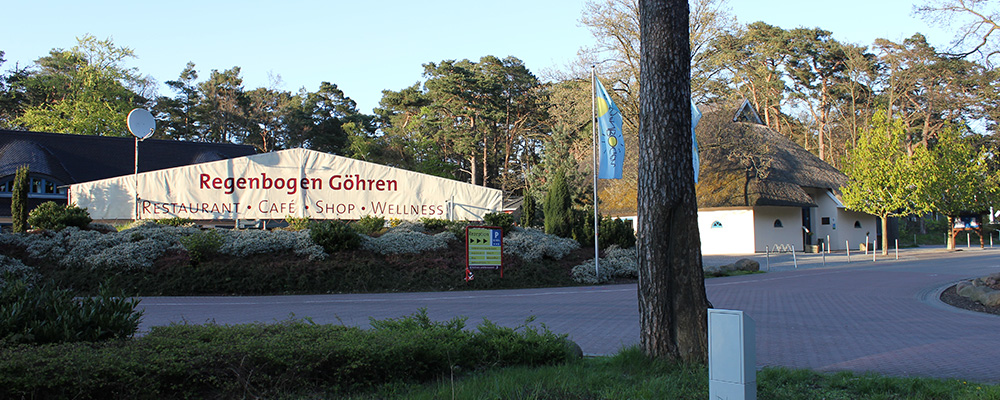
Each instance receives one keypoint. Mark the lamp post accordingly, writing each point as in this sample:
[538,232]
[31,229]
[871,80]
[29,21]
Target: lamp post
[141,124]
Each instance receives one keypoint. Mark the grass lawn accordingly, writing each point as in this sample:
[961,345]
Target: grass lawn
[630,375]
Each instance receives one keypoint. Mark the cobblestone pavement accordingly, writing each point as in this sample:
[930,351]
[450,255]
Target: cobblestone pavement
[881,316]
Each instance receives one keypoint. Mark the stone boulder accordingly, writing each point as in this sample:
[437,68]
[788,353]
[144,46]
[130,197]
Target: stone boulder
[744,264]
[747,264]
[981,290]
[573,349]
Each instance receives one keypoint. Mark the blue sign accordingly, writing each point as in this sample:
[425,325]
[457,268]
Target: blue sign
[495,235]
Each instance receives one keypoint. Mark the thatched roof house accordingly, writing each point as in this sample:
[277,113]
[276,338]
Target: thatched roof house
[746,164]
[758,189]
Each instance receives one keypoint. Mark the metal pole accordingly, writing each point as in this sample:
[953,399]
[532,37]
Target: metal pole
[824,252]
[827,244]
[968,240]
[847,244]
[767,254]
[897,249]
[593,124]
[867,239]
[794,262]
[135,178]
[874,251]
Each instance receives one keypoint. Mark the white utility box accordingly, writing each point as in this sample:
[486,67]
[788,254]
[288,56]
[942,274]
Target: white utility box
[732,356]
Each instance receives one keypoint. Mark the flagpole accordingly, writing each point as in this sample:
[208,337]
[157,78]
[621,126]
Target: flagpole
[593,123]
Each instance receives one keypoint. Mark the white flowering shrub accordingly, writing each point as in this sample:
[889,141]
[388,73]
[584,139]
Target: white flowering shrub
[623,262]
[243,243]
[12,269]
[405,241]
[617,263]
[532,244]
[130,249]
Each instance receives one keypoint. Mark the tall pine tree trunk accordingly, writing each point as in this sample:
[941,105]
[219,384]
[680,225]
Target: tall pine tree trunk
[672,301]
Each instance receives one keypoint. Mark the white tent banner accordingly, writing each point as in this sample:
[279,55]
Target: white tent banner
[296,182]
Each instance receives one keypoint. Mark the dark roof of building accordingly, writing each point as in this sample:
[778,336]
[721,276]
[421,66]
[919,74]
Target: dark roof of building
[81,158]
[746,164]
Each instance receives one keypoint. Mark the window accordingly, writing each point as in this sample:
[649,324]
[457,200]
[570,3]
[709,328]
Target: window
[825,221]
[36,185]
[777,224]
[716,224]
[857,224]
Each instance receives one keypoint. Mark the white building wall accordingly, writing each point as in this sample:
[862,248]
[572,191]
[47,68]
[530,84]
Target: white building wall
[825,218]
[789,231]
[842,226]
[853,228]
[726,231]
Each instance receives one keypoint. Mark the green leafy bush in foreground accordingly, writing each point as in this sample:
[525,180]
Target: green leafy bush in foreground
[52,216]
[294,358]
[44,314]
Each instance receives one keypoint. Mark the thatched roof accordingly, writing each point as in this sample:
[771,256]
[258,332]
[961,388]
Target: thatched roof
[742,154]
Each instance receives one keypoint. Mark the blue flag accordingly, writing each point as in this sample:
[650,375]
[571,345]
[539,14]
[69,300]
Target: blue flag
[695,117]
[611,142]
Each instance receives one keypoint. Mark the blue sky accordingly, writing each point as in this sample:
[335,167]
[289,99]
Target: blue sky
[367,46]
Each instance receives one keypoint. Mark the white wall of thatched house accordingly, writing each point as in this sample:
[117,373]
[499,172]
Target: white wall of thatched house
[757,229]
[777,226]
[831,219]
[855,227]
[726,231]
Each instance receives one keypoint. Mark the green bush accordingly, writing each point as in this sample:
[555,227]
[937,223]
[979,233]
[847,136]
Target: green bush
[369,225]
[55,217]
[611,231]
[294,359]
[616,231]
[334,236]
[503,220]
[19,201]
[203,244]
[297,224]
[44,314]
[174,221]
[435,224]
[583,226]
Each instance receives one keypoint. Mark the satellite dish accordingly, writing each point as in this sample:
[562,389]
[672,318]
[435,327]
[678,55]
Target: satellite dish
[141,123]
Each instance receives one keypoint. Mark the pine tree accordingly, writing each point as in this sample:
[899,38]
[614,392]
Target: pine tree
[527,210]
[19,200]
[557,207]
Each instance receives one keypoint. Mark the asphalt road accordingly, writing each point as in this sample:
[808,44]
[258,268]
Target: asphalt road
[881,316]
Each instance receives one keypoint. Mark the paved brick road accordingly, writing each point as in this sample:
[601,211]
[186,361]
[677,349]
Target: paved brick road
[863,316]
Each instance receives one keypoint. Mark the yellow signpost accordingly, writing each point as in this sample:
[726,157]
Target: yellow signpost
[483,249]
